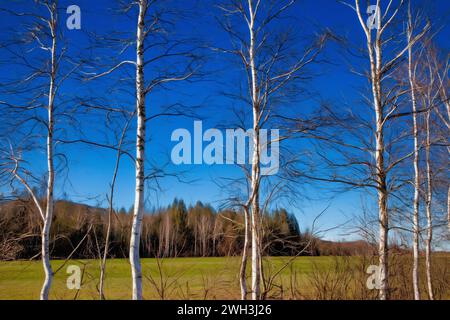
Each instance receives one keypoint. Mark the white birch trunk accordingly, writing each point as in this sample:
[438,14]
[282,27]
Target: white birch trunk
[255,176]
[375,56]
[243,269]
[416,231]
[135,263]
[429,198]
[256,248]
[380,167]
[383,249]
[45,235]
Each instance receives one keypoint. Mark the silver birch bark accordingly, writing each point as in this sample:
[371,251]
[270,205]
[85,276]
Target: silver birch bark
[382,99]
[428,201]
[255,176]
[375,56]
[45,30]
[135,263]
[267,73]
[243,268]
[50,165]
[416,230]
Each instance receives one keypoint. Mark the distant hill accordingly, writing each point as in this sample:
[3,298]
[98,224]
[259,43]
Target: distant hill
[174,231]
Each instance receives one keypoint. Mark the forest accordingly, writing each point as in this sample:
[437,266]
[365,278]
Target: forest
[175,231]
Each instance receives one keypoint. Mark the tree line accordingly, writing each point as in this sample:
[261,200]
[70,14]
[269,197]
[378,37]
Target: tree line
[176,231]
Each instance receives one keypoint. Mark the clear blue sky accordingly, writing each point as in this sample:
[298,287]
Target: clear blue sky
[90,169]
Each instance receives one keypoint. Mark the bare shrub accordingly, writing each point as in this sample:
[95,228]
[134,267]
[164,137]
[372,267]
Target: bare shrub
[9,249]
[164,283]
[331,282]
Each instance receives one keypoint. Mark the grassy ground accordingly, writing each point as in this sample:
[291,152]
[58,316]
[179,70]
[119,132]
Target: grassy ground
[180,278]
[217,278]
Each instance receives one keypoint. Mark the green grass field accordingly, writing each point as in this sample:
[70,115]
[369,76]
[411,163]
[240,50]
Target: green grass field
[215,278]
[180,278]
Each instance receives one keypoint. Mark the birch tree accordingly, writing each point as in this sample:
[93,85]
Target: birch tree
[271,65]
[136,272]
[167,58]
[425,90]
[384,110]
[428,202]
[431,87]
[30,108]
[416,226]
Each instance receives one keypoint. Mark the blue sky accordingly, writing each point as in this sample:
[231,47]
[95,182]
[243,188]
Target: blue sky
[90,169]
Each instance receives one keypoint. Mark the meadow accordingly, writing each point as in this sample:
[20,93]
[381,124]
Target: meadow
[324,277]
[171,278]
